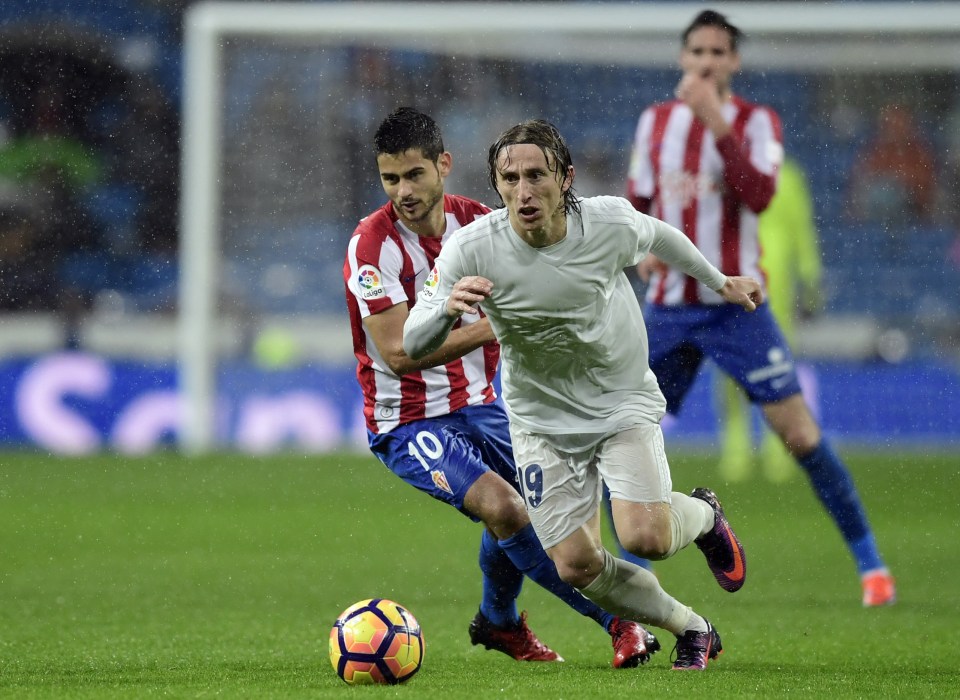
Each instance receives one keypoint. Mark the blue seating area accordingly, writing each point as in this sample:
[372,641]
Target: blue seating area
[893,275]
[136,44]
[118,20]
[261,273]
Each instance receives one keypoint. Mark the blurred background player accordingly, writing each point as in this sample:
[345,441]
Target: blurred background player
[790,260]
[707,163]
[435,422]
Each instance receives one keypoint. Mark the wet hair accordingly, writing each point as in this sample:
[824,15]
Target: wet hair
[547,138]
[712,18]
[406,128]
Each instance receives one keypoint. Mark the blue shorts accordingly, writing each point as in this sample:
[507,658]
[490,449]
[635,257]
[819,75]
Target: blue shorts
[747,346]
[445,456]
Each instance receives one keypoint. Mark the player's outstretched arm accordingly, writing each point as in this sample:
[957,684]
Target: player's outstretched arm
[676,249]
[744,291]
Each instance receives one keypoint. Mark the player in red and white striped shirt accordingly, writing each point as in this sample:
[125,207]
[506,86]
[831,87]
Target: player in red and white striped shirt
[435,422]
[712,185]
[707,162]
[387,262]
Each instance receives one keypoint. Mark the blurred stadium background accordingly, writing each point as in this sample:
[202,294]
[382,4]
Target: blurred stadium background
[91,103]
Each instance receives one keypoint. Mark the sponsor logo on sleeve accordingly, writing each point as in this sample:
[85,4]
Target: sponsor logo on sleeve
[432,284]
[370,281]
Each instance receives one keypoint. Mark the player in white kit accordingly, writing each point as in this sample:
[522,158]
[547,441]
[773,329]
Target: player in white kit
[436,422]
[547,271]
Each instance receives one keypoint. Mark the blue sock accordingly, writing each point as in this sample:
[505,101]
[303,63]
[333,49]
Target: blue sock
[527,554]
[834,487]
[624,554]
[501,583]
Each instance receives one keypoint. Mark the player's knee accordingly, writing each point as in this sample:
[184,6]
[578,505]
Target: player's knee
[800,439]
[792,421]
[497,505]
[649,542]
[505,516]
[579,569]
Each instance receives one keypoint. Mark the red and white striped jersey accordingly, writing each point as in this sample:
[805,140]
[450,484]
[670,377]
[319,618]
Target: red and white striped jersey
[386,265]
[711,190]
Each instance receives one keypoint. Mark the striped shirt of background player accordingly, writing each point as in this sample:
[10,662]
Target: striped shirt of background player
[711,190]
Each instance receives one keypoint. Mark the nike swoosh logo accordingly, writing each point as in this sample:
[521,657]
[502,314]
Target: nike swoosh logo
[408,280]
[737,571]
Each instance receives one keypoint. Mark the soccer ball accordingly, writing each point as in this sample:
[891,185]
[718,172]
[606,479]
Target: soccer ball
[376,641]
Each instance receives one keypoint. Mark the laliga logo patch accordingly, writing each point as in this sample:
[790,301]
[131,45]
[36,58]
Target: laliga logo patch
[432,284]
[370,281]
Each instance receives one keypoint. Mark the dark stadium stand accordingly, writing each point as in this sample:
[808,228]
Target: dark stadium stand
[597,105]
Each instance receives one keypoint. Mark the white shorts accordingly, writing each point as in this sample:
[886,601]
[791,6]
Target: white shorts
[562,490]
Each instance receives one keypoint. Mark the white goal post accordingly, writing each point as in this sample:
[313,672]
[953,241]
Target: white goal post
[895,36]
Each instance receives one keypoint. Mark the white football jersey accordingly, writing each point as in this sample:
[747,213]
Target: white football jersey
[572,336]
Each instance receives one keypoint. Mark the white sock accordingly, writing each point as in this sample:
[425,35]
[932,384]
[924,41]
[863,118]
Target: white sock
[689,518]
[696,623]
[634,593]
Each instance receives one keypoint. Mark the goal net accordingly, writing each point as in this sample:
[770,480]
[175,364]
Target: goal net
[281,101]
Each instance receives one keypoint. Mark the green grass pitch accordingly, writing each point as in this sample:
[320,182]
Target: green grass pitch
[164,576]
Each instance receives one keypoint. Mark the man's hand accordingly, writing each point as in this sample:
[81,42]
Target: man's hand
[743,291]
[649,265]
[700,94]
[466,294]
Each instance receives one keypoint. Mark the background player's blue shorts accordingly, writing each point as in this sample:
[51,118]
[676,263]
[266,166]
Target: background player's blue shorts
[444,456]
[747,346]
